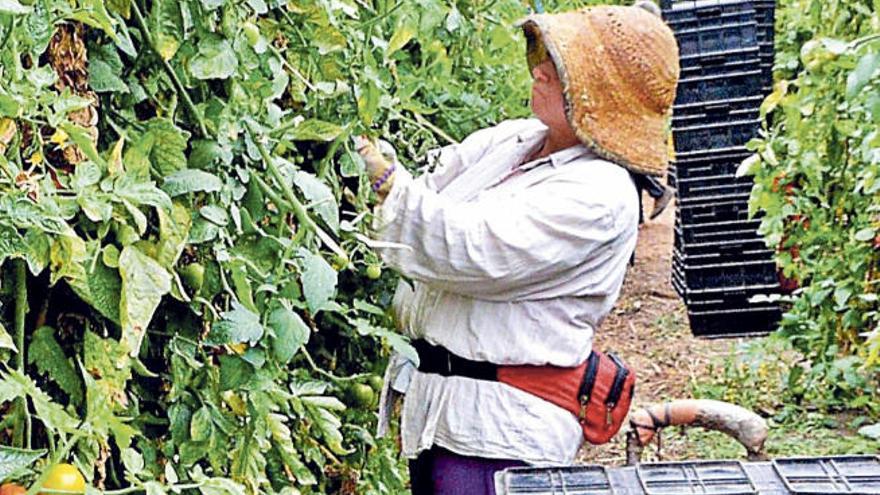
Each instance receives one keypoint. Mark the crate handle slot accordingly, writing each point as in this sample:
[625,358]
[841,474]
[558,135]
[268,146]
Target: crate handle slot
[710,12]
[718,59]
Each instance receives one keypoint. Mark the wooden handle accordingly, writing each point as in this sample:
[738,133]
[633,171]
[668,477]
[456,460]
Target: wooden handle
[746,427]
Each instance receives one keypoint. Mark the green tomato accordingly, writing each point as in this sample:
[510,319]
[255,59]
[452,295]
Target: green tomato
[340,261]
[252,33]
[376,383]
[374,272]
[814,54]
[193,275]
[361,395]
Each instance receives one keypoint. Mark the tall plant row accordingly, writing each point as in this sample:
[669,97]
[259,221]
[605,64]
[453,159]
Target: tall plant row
[817,185]
[183,229]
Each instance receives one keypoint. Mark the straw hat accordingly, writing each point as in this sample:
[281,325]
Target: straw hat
[619,71]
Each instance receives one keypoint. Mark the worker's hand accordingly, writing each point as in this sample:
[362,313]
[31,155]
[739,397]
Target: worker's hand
[381,162]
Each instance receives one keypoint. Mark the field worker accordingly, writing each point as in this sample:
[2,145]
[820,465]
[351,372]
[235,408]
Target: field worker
[518,242]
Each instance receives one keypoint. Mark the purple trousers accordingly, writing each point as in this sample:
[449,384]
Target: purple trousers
[441,472]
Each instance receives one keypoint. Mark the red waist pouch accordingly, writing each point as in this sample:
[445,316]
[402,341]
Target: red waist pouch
[599,391]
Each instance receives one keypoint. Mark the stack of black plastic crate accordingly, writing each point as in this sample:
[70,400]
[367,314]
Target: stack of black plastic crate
[720,262]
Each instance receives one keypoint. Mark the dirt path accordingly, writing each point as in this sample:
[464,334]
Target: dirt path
[649,330]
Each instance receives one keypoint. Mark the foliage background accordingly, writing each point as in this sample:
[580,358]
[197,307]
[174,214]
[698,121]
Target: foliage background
[184,299]
[816,185]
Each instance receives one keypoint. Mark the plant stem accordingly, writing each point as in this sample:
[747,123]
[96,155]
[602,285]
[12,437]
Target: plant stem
[135,489]
[297,207]
[178,86]
[423,123]
[21,308]
[325,162]
[314,366]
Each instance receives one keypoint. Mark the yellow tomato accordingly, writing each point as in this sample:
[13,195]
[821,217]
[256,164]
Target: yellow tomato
[65,477]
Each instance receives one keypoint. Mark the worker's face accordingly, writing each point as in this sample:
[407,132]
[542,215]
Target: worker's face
[548,101]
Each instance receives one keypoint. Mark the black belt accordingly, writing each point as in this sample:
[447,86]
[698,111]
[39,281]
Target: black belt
[439,361]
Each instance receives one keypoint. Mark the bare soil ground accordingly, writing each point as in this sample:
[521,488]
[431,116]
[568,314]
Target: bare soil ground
[649,330]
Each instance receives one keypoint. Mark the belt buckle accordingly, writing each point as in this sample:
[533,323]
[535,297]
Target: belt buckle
[448,363]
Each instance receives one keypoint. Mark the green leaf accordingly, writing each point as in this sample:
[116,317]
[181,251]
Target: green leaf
[13,7]
[13,460]
[870,431]
[318,280]
[237,326]
[842,295]
[173,232]
[162,146]
[404,32]
[234,372]
[862,74]
[290,334]
[133,462]
[315,130]
[214,214]
[866,234]
[47,355]
[221,486]
[189,181]
[6,340]
[141,193]
[320,196]
[83,140]
[52,415]
[328,425]
[282,438]
[214,60]
[121,7]
[166,26]
[103,79]
[108,360]
[397,342]
[202,426]
[144,282]
[95,283]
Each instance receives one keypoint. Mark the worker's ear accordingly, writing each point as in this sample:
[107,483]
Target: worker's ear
[544,72]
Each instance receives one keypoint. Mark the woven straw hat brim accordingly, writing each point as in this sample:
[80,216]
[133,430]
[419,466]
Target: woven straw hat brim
[619,71]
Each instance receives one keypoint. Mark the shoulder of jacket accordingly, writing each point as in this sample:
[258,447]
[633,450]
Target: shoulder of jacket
[507,129]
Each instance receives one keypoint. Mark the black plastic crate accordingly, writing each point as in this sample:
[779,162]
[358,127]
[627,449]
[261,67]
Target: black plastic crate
[722,86]
[731,274]
[713,192]
[720,162]
[724,298]
[720,63]
[581,480]
[723,247]
[702,40]
[830,475]
[715,135]
[711,155]
[718,231]
[690,259]
[713,212]
[713,111]
[734,322]
[697,186]
[684,15]
[705,477]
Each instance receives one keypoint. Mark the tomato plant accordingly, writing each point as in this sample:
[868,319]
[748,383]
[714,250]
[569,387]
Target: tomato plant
[819,190]
[180,212]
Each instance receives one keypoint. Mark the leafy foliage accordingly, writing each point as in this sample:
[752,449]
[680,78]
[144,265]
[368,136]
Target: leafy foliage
[816,186]
[179,211]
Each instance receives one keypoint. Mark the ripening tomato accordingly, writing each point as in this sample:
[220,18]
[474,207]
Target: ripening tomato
[65,477]
[12,489]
